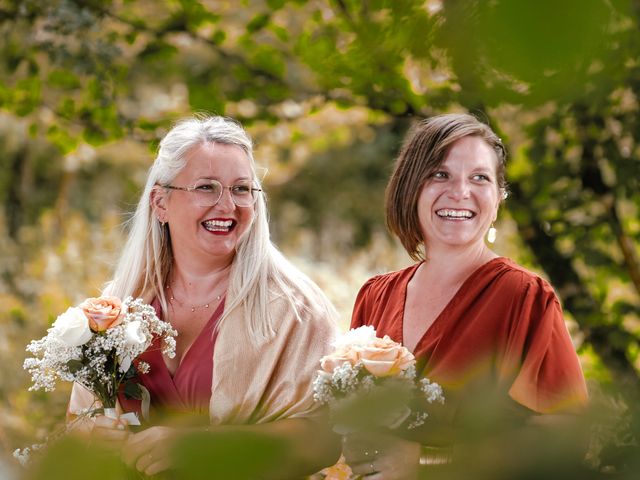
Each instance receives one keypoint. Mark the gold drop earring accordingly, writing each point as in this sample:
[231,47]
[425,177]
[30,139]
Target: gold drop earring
[492,234]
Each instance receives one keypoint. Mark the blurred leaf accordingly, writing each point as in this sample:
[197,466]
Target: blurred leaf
[64,79]
[229,455]
[73,459]
[258,22]
[157,50]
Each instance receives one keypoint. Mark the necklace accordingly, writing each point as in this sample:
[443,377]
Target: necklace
[193,307]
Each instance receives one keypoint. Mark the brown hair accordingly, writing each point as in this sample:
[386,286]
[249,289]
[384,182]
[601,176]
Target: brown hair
[423,151]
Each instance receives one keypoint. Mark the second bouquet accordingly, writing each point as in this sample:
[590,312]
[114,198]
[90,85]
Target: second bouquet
[370,382]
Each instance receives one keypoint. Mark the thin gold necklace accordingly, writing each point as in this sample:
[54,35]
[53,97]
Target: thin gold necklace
[193,307]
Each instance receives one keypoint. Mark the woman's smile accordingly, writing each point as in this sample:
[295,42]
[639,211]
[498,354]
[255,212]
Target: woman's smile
[453,214]
[219,226]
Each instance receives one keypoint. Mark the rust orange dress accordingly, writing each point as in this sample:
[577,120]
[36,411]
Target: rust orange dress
[504,325]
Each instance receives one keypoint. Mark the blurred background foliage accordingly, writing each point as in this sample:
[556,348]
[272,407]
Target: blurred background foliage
[327,88]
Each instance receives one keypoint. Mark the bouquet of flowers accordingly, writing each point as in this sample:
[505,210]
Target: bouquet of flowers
[95,343]
[364,366]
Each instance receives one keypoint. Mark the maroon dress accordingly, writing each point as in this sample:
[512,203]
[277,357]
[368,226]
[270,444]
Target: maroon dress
[189,388]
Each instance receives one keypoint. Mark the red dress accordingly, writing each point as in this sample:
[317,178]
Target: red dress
[504,325]
[189,388]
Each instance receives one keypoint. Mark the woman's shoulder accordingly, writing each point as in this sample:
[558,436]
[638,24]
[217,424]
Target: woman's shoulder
[300,302]
[385,281]
[513,277]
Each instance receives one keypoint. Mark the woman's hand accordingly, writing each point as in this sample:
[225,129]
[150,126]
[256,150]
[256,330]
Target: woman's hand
[112,432]
[149,451]
[381,457]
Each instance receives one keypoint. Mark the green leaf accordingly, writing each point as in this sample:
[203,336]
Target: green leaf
[258,22]
[157,50]
[218,37]
[280,32]
[132,390]
[63,79]
[75,365]
[276,4]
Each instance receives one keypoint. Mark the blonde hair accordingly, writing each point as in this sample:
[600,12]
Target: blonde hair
[423,151]
[145,263]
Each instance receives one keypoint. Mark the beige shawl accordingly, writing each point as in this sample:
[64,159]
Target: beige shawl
[273,380]
[266,382]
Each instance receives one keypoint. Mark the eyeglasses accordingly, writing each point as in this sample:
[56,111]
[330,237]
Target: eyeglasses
[207,193]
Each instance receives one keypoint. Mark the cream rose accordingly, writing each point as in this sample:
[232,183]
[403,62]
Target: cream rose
[72,327]
[342,355]
[103,312]
[385,358]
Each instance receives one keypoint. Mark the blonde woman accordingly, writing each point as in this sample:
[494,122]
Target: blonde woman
[251,327]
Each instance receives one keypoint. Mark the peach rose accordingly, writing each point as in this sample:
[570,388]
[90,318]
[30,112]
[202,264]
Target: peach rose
[385,358]
[103,312]
[342,355]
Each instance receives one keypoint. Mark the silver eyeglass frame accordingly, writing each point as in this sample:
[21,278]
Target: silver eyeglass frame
[224,187]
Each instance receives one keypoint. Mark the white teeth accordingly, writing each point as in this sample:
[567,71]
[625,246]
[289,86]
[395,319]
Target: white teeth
[217,224]
[445,212]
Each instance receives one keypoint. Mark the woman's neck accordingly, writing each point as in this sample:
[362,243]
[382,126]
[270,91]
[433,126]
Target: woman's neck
[198,283]
[455,266]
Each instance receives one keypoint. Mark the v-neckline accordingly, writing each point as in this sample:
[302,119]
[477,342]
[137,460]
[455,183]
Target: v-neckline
[212,319]
[435,326]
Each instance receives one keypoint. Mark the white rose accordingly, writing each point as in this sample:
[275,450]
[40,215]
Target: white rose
[72,327]
[134,334]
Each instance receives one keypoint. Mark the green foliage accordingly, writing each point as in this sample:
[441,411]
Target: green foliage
[328,89]
[534,52]
[356,178]
[232,455]
[73,459]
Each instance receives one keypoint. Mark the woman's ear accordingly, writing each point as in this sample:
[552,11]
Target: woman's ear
[158,202]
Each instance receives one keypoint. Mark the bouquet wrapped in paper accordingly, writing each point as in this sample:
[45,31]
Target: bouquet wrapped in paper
[371,382]
[94,345]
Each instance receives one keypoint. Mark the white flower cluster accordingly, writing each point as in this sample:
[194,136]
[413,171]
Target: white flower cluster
[356,337]
[347,380]
[432,391]
[23,455]
[328,387]
[98,360]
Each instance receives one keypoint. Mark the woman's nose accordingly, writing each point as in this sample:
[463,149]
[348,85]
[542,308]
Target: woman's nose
[460,189]
[226,200]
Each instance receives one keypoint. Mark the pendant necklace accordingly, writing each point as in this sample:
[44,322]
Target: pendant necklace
[193,307]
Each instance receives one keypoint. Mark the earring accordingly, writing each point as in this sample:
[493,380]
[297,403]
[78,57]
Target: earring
[492,234]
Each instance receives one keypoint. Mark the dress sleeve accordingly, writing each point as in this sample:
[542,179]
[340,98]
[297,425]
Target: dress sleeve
[362,304]
[549,378]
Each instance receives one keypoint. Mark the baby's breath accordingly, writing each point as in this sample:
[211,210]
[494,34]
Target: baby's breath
[432,391]
[143,367]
